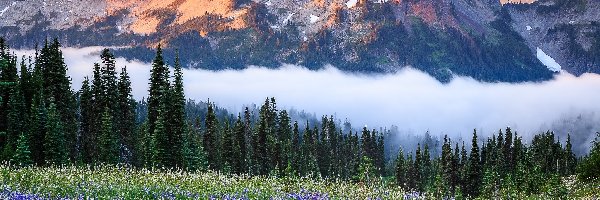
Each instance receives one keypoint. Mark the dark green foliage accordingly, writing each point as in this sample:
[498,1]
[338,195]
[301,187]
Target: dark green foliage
[193,154]
[38,128]
[473,175]
[108,140]
[211,139]
[176,116]
[158,89]
[125,117]
[57,85]
[401,170]
[158,145]
[86,119]
[22,156]
[589,169]
[54,144]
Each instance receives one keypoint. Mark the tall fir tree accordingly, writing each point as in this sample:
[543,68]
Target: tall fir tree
[38,128]
[177,118]
[22,156]
[211,140]
[239,144]
[474,169]
[109,142]
[400,170]
[86,117]
[54,143]
[158,89]
[125,117]
[57,86]
[15,121]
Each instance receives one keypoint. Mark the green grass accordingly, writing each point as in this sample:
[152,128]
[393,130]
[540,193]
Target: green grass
[115,182]
[110,182]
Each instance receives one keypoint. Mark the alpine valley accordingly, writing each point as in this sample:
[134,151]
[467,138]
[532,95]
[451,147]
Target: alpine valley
[489,40]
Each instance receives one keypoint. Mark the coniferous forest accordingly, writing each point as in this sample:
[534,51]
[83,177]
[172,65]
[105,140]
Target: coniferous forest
[98,142]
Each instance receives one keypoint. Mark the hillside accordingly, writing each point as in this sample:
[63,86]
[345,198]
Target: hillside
[483,39]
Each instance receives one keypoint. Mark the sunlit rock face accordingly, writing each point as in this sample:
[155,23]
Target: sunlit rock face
[490,40]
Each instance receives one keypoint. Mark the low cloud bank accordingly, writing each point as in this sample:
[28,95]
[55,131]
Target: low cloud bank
[410,99]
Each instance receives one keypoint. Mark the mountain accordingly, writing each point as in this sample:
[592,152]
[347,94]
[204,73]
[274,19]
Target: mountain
[488,40]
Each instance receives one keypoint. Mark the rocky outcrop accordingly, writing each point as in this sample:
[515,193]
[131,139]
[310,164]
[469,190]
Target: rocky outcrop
[490,40]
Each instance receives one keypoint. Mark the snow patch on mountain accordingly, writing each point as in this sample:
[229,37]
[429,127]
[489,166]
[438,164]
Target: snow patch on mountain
[548,61]
[351,3]
[314,19]
[6,9]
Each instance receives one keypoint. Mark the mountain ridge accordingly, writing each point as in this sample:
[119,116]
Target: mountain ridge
[483,39]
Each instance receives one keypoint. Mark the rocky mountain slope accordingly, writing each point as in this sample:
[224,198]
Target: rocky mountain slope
[485,39]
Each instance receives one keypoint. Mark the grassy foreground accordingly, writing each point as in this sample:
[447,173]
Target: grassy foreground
[113,182]
[110,182]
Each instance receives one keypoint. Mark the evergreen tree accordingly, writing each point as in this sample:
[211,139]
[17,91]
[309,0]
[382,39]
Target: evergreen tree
[262,140]
[507,151]
[473,170]
[38,129]
[159,155]
[400,169]
[194,155]
[284,136]
[158,90]
[22,156]
[211,138]
[239,144]
[126,117]
[418,169]
[15,122]
[589,168]
[570,160]
[109,141]
[54,145]
[86,118]
[229,147]
[8,81]
[57,86]
[248,140]
[177,123]
[296,151]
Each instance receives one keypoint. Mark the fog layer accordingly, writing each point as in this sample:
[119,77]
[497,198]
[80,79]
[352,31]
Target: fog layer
[410,99]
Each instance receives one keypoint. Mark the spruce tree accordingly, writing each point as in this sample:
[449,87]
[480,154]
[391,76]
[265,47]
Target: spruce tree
[54,143]
[194,155]
[418,166]
[22,156]
[125,117]
[296,147]
[177,122]
[57,86]
[474,169]
[239,142]
[401,170]
[262,140]
[284,137]
[158,89]
[109,141]
[248,141]
[229,148]
[86,118]
[38,128]
[211,138]
[159,152]
[570,160]
[15,122]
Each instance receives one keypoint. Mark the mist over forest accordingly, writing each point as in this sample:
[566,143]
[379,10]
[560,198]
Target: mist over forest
[411,100]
